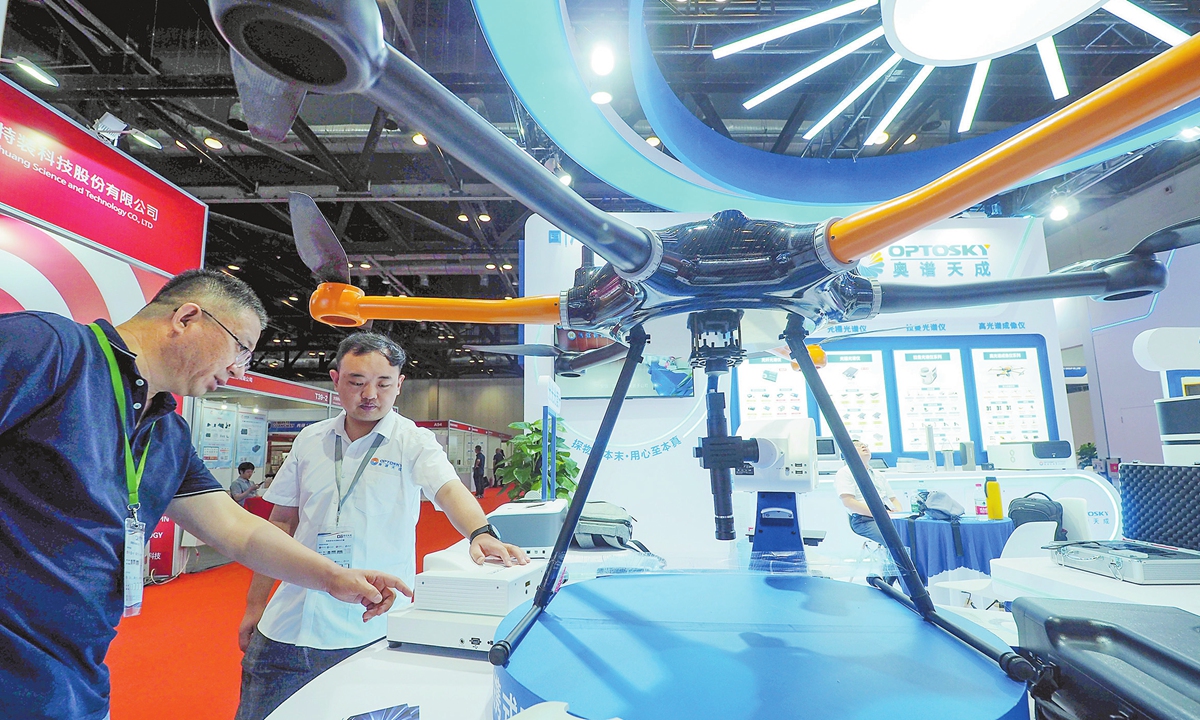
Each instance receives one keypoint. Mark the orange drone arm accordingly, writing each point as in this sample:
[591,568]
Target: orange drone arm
[1157,86]
[347,306]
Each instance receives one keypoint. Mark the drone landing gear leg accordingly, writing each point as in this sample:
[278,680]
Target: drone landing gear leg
[503,649]
[1013,665]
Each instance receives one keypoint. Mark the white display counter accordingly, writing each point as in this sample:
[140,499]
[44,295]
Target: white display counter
[1042,577]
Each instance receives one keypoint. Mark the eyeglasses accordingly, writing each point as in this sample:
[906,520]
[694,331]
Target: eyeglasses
[244,353]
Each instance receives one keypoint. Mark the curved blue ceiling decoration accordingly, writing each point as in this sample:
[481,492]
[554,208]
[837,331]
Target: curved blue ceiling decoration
[763,174]
[534,50]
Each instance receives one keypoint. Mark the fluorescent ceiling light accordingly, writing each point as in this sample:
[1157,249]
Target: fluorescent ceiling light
[30,68]
[816,67]
[602,59]
[855,94]
[973,93]
[1146,21]
[145,139]
[795,26]
[901,101]
[1054,71]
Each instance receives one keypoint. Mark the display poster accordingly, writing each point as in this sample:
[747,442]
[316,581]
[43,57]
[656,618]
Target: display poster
[930,388]
[216,435]
[1008,385]
[856,383]
[251,443]
[768,387]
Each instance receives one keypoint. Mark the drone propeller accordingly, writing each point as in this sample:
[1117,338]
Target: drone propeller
[567,363]
[270,104]
[319,248]
[526,350]
[1179,235]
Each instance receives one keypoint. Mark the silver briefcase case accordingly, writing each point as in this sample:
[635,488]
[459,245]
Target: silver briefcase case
[1132,561]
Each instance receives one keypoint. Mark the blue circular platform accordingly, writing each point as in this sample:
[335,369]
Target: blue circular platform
[734,646]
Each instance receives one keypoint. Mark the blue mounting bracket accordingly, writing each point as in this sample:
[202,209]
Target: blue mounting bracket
[777,523]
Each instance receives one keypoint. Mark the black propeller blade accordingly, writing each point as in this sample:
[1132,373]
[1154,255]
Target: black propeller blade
[318,246]
[1179,235]
[530,350]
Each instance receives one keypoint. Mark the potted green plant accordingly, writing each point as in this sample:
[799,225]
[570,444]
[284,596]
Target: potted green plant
[1086,454]
[522,469]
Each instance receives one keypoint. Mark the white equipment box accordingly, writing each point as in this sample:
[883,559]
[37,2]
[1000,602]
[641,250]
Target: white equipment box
[1043,455]
[532,526]
[458,604]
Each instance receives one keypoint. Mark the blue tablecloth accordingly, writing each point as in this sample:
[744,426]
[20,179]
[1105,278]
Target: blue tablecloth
[934,552]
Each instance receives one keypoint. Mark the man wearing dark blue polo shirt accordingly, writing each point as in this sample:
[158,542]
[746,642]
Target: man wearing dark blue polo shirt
[80,465]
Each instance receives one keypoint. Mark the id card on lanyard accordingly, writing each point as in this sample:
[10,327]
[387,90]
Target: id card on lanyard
[337,542]
[135,530]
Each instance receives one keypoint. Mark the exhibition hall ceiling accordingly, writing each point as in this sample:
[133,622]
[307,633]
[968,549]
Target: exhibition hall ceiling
[416,221]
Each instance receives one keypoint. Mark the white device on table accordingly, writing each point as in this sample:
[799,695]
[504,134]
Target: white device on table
[1038,455]
[829,460]
[1132,561]
[458,604]
[532,526]
[787,456]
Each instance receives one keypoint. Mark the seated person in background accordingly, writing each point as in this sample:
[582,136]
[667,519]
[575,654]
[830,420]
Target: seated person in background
[241,489]
[861,521]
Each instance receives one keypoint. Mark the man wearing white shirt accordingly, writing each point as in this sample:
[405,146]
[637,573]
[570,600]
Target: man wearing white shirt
[861,521]
[351,490]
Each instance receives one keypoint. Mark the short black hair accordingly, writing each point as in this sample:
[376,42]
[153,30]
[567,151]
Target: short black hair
[204,285]
[244,467]
[364,343]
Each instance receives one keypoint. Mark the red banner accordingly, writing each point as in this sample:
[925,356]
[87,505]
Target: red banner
[57,172]
[161,555]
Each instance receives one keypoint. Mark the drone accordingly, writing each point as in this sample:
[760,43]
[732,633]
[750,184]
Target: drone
[711,270]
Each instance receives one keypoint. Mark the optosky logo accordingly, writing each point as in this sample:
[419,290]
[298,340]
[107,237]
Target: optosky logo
[938,251]
[871,267]
[389,465]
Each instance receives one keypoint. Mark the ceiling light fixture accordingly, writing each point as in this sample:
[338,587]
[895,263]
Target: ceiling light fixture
[910,139]
[31,69]
[234,267]
[1053,68]
[565,179]
[901,101]
[1190,134]
[143,138]
[793,27]
[814,68]
[602,59]
[180,145]
[507,266]
[276,340]
[855,94]
[490,266]
[653,141]
[419,139]
[508,297]
[973,94]
[484,217]
[602,97]
[462,217]
[294,298]
[365,265]
[213,143]
[1146,21]
[1059,213]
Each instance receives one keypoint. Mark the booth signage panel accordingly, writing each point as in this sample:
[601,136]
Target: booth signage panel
[929,384]
[1008,389]
[858,385]
[281,388]
[251,445]
[56,172]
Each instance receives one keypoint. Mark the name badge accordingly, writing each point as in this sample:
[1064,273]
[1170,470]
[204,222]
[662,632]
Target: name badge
[135,550]
[337,545]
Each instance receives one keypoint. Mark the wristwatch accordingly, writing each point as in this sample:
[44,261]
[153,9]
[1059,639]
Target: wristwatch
[488,529]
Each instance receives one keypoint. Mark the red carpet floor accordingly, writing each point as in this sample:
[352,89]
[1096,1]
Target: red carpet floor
[180,659]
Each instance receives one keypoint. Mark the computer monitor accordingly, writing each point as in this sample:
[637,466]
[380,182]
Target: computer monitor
[826,448]
[878,463]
